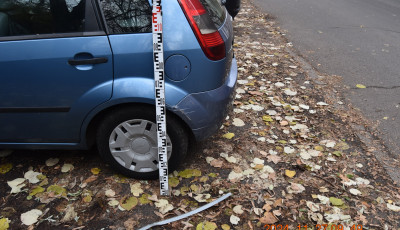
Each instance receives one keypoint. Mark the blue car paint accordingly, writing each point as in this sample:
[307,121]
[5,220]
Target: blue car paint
[199,99]
[46,80]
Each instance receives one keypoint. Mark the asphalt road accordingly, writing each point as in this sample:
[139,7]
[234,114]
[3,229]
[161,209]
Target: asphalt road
[356,39]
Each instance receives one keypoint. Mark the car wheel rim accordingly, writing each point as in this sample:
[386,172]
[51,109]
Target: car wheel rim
[133,144]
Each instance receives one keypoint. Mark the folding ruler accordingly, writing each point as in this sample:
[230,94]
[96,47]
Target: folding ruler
[159,89]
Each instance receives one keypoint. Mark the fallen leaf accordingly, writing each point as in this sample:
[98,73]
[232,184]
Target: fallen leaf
[233,176]
[110,193]
[290,173]
[288,149]
[188,173]
[173,181]
[234,220]
[57,190]
[129,203]
[323,199]
[217,163]
[5,168]
[268,218]
[113,203]
[355,192]
[136,189]
[335,201]
[202,197]
[4,223]
[225,227]
[238,209]
[206,226]
[95,171]
[290,92]
[295,188]
[32,176]
[361,86]
[164,206]
[267,118]
[16,185]
[66,168]
[322,103]
[35,191]
[228,135]
[144,199]
[52,161]
[238,122]
[274,158]
[393,207]
[228,158]
[69,215]
[313,207]
[31,217]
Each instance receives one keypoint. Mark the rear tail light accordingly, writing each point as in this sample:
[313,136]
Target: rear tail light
[204,28]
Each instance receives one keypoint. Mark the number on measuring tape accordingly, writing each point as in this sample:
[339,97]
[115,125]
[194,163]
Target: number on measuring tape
[159,91]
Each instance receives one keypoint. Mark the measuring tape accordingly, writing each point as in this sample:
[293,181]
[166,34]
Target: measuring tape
[159,89]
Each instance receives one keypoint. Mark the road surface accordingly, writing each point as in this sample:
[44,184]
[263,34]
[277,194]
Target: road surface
[356,39]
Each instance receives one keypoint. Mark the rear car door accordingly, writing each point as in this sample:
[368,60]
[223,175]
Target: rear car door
[55,66]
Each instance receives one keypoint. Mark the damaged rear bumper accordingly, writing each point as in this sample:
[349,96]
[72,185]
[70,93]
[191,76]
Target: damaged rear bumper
[204,112]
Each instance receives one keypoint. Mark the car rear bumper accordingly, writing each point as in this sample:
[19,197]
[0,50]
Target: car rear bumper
[204,112]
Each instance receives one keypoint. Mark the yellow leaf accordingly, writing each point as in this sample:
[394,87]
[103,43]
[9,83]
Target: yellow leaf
[206,226]
[57,190]
[5,168]
[35,191]
[144,199]
[129,203]
[361,86]
[319,148]
[188,173]
[87,198]
[95,171]
[290,173]
[225,227]
[229,135]
[173,181]
[4,224]
[267,118]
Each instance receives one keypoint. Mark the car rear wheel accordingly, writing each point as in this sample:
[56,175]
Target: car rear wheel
[127,140]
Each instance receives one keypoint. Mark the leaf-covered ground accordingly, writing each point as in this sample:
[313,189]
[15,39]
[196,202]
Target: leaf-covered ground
[287,152]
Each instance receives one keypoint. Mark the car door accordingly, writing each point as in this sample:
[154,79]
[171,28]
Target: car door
[55,66]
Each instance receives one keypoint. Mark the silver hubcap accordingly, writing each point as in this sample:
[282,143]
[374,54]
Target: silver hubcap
[133,144]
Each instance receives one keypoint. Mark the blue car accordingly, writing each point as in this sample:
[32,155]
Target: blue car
[77,74]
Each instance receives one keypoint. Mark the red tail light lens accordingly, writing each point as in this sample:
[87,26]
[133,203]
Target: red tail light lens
[204,28]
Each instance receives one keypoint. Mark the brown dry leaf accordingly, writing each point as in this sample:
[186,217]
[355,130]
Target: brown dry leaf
[216,163]
[274,158]
[268,218]
[90,179]
[267,207]
[130,224]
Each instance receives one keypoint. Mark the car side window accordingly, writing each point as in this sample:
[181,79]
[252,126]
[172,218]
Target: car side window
[127,16]
[35,17]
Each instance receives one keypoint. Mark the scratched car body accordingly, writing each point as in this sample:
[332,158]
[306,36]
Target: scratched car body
[79,73]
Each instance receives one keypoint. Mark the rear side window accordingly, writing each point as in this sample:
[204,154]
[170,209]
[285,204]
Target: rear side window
[215,10]
[35,17]
[127,16]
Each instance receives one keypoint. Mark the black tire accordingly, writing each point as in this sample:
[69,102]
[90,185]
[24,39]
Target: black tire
[176,132]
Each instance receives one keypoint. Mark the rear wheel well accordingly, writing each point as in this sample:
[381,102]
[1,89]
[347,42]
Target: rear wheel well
[95,122]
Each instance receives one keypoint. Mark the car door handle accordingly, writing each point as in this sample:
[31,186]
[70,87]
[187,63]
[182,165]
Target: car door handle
[90,61]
